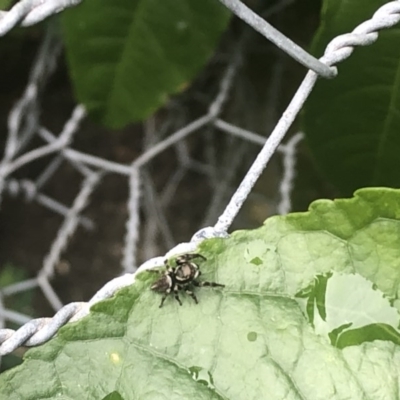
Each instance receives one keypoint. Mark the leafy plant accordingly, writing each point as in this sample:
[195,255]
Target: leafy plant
[127,56]
[310,311]
[352,122]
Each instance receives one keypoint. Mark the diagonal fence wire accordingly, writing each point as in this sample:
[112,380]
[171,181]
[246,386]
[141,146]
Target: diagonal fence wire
[337,50]
[40,330]
[23,118]
[269,32]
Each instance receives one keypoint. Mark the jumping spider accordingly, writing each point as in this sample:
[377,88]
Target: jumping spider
[182,277]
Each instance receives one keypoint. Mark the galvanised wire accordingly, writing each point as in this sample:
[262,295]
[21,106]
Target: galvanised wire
[69,225]
[280,40]
[131,239]
[61,240]
[40,330]
[30,12]
[132,225]
[23,124]
[23,118]
[337,50]
[56,145]
[288,151]
[28,189]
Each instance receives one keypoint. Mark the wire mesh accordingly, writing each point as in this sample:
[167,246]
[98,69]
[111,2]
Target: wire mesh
[147,207]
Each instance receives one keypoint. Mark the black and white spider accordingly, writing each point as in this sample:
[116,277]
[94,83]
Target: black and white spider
[181,277]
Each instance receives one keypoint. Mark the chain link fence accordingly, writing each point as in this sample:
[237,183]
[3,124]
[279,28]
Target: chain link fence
[148,223]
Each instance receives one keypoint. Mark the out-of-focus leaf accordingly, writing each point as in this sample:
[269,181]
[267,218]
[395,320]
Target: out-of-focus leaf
[127,56]
[352,122]
[347,309]
[5,4]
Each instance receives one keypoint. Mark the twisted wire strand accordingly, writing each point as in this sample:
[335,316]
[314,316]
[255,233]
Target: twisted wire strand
[23,117]
[69,225]
[40,330]
[27,106]
[132,225]
[276,37]
[337,50]
[28,189]
[289,160]
[30,12]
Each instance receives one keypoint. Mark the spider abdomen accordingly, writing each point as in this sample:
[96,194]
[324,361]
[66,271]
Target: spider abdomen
[163,284]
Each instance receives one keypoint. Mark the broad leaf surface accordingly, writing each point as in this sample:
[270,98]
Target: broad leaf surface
[127,56]
[257,338]
[5,4]
[352,122]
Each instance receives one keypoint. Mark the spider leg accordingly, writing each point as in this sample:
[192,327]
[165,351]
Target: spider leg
[192,295]
[164,297]
[176,288]
[203,283]
[187,257]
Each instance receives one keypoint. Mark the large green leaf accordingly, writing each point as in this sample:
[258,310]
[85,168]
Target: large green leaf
[352,122]
[5,4]
[256,338]
[127,56]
